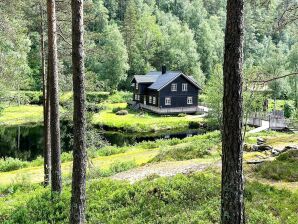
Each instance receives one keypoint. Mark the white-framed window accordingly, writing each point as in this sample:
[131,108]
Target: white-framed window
[168,101]
[150,99]
[189,100]
[136,96]
[184,87]
[174,87]
[154,100]
[137,85]
[139,97]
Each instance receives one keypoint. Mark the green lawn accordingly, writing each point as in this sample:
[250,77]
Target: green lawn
[136,122]
[21,115]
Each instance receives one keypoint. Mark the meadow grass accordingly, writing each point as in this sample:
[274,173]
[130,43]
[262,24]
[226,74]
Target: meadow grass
[35,174]
[21,115]
[140,122]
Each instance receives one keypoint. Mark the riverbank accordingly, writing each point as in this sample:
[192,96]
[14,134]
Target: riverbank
[204,146]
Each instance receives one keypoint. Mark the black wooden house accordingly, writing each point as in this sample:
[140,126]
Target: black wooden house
[166,92]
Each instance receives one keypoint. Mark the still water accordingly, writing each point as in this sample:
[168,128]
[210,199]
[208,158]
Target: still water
[26,142]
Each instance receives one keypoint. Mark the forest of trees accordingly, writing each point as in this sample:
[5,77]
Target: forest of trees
[124,38]
[102,44]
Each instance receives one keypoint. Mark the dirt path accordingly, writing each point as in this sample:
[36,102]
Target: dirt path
[165,169]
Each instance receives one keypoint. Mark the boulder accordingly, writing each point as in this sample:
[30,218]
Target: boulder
[260,141]
[275,152]
[288,148]
[262,148]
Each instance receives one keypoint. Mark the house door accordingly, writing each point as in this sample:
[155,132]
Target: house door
[145,102]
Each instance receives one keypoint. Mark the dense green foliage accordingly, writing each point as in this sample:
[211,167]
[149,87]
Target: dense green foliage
[180,199]
[124,38]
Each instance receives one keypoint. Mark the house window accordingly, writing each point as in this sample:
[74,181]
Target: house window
[189,100]
[154,100]
[174,87]
[137,86]
[150,99]
[168,101]
[136,97]
[184,87]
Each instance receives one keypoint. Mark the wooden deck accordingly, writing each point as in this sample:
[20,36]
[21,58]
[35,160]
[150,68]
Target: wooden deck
[174,110]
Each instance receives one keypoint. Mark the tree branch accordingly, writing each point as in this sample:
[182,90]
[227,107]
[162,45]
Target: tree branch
[64,39]
[275,78]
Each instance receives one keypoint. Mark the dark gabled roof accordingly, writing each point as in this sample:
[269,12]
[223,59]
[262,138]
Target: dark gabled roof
[150,77]
[164,79]
[159,80]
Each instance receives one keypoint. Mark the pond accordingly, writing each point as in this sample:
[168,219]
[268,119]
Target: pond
[26,142]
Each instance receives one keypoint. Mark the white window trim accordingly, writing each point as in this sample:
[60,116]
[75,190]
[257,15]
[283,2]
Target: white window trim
[184,87]
[154,100]
[174,87]
[168,101]
[137,85]
[189,100]
[150,99]
[136,96]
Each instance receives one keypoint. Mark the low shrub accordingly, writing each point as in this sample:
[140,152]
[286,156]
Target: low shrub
[93,107]
[181,199]
[194,124]
[111,150]
[189,148]
[116,167]
[283,168]
[117,109]
[96,97]
[182,115]
[10,164]
[122,112]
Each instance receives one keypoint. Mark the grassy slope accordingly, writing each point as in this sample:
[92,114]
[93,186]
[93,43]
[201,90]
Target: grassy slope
[133,122]
[35,174]
[20,115]
[141,153]
[160,150]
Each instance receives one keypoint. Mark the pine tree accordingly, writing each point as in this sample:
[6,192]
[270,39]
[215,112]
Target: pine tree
[46,111]
[78,198]
[232,208]
[54,98]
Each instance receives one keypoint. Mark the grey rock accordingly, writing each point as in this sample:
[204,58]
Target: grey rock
[262,148]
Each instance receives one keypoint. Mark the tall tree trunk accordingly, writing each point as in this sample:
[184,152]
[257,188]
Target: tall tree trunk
[54,98]
[232,207]
[78,199]
[46,112]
